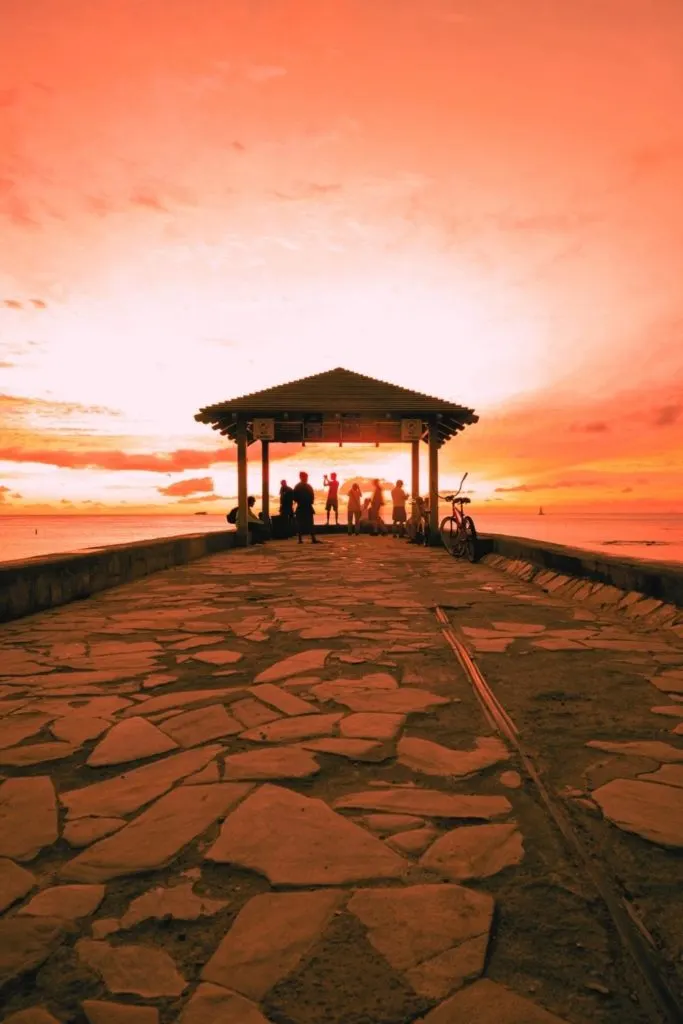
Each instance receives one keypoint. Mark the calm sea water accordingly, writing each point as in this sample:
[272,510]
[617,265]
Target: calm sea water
[653,537]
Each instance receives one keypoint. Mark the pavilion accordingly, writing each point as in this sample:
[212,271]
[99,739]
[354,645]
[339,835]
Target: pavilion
[338,406]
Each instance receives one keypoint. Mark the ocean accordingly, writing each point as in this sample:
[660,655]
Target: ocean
[651,537]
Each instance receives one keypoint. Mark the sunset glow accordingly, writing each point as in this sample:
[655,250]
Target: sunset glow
[477,200]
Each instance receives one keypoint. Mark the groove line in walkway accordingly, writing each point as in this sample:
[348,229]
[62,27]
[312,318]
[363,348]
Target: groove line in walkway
[654,992]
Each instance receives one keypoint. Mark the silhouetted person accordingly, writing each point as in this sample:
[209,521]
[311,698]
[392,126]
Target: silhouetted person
[332,502]
[416,521]
[398,511]
[355,508]
[304,498]
[376,502]
[287,504]
[258,530]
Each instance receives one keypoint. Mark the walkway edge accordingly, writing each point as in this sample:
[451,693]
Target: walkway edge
[651,592]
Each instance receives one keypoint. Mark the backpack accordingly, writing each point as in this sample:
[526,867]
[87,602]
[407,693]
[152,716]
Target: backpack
[232,515]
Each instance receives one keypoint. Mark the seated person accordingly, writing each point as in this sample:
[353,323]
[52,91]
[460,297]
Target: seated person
[258,530]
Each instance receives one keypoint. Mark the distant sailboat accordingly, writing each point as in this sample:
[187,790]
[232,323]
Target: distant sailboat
[540,511]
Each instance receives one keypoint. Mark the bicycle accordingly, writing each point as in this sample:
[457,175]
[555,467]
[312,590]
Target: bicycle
[458,532]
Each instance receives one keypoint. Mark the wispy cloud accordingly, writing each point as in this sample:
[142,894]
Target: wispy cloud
[184,488]
[20,407]
[149,462]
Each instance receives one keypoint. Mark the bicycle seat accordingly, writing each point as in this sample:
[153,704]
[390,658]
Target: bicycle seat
[463,501]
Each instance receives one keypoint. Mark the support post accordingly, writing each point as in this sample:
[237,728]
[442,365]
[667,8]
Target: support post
[435,539]
[415,467]
[242,527]
[265,481]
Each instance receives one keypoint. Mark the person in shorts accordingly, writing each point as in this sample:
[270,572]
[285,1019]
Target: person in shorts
[332,504]
[398,512]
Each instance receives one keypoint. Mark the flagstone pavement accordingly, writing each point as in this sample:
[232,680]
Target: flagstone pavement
[258,789]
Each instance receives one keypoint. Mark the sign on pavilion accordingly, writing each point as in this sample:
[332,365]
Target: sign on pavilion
[341,407]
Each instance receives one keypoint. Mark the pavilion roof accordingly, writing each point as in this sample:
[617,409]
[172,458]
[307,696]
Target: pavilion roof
[337,391]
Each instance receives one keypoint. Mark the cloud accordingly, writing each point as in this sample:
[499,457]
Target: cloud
[145,198]
[200,498]
[183,488]
[21,406]
[595,427]
[38,303]
[307,190]
[556,485]
[4,365]
[667,415]
[12,304]
[146,462]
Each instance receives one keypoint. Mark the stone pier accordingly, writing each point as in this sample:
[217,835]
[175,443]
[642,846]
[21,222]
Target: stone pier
[259,789]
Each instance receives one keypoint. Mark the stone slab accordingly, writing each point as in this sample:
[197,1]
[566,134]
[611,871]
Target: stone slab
[37,753]
[429,803]
[437,935]
[28,817]
[83,831]
[431,758]
[353,749]
[486,1002]
[26,943]
[404,701]
[179,902]
[251,713]
[648,809]
[101,1012]
[131,790]
[34,1015]
[282,700]
[153,839]
[289,730]
[67,902]
[669,774]
[297,664]
[181,699]
[415,841]
[132,740]
[475,851]
[136,970]
[15,883]
[372,726]
[269,938]
[295,840]
[213,1004]
[201,726]
[656,750]
[271,763]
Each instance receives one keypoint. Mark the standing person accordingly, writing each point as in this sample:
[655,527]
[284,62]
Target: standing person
[304,497]
[376,502]
[355,508]
[398,512]
[332,485]
[287,505]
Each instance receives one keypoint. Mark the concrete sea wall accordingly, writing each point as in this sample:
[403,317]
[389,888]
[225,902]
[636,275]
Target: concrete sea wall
[650,591]
[35,584]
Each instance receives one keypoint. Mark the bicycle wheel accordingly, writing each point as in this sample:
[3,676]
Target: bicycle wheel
[469,541]
[449,534]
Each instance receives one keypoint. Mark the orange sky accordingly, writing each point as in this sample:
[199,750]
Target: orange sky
[479,199]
